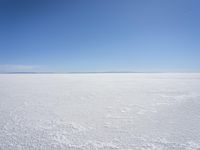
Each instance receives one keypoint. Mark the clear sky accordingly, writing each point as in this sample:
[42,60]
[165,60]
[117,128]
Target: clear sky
[99,35]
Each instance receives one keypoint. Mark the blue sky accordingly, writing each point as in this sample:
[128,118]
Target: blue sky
[100,35]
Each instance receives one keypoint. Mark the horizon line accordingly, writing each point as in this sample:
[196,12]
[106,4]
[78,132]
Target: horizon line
[93,72]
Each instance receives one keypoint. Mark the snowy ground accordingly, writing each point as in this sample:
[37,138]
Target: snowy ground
[100,111]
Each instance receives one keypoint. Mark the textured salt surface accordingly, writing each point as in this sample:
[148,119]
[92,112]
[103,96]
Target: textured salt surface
[100,111]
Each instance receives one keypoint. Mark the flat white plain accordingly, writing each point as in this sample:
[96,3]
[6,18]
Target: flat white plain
[130,111]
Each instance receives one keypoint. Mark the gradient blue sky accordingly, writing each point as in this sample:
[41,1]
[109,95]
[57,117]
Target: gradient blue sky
[99,35]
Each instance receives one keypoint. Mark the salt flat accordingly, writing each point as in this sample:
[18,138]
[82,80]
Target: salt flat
[152,111]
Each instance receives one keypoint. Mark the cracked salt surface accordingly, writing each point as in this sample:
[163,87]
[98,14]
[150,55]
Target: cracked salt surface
[100,111]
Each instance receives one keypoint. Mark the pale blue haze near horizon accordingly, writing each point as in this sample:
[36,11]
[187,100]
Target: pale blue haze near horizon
[100,35]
